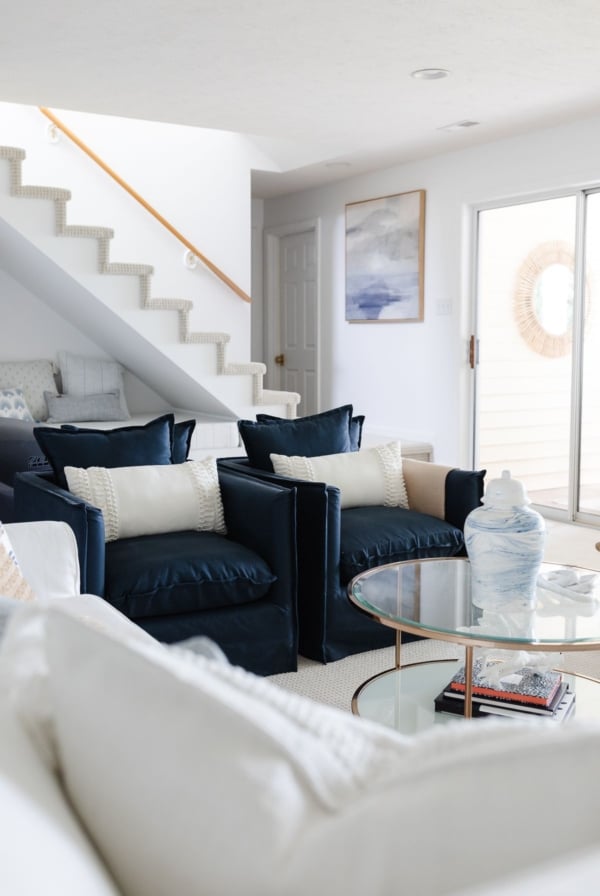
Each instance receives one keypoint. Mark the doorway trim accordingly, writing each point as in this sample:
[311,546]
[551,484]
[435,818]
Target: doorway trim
[272,297]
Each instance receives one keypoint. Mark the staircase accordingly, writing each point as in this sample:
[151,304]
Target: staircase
[189,369]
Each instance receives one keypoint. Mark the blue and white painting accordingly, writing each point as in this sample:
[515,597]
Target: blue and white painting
[384,258]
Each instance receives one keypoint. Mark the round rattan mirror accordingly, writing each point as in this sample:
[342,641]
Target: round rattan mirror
[543,300]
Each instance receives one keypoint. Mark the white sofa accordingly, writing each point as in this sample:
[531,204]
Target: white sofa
[128,767]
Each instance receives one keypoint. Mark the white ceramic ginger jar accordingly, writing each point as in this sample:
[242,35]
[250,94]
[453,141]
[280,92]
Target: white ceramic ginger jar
[505,544]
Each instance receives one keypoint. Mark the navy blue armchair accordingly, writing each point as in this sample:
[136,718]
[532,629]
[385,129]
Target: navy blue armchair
[336,544]
[238,589]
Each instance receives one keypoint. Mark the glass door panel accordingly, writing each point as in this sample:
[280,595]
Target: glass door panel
[589,480]
[525,282]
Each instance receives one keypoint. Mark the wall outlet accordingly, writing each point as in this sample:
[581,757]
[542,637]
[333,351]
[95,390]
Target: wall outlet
[443,306]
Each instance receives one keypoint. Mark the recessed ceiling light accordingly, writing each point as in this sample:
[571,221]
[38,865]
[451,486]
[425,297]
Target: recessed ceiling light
[459,125]
[429,74]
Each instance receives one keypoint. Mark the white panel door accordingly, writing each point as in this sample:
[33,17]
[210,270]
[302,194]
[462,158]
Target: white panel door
[299,325]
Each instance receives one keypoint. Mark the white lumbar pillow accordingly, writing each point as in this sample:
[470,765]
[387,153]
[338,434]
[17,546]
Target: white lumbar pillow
[149,500]
[372,476]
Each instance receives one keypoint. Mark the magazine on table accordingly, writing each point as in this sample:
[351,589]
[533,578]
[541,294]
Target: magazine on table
[526,686]
[517,694]
[455,704]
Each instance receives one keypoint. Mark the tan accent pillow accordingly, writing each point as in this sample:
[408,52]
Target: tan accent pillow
[149,500]
[12,583]
[366,478]
[426,486]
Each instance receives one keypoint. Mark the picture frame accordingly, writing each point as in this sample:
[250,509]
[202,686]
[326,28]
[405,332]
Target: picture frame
[385,252]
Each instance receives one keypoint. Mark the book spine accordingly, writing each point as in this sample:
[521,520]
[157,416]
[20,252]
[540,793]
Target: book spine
[511,696]
[520,708]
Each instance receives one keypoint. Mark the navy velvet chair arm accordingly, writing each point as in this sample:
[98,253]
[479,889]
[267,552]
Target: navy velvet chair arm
[262,517]
[318,516]
[37,497]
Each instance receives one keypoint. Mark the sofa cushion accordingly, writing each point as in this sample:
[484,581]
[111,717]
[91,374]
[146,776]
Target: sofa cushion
[83,376]
[447,492]
[13,404]
[182,572]
[372,536]
[126,446]
[369,477]
[12,581]
[464,490]
[100,406]
[38,545]
[326,433]
[24,666]
[34,378]
[192,776]
[44,847]
[182,440]
[149,500]
[355,426]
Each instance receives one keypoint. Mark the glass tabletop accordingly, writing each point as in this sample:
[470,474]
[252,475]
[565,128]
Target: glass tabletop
[432,598]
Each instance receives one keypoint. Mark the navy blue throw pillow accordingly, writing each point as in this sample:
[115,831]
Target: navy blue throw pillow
[312,436]
[464,491]
[356,426]
[126,446]
[182,439]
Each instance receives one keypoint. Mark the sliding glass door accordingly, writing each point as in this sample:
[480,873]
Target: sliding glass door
[589,479]
[537,408]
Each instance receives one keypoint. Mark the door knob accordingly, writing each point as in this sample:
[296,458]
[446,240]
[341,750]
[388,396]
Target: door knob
[280,359]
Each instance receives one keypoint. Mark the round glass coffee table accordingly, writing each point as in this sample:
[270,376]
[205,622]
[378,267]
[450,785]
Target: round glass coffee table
[432,599]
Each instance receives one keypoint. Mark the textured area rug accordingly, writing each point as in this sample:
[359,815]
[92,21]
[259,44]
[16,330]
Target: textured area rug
[335,683]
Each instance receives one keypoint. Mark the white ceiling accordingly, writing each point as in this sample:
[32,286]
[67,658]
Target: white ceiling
[319,81]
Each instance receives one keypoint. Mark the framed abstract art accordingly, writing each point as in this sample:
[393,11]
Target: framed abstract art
[384,258]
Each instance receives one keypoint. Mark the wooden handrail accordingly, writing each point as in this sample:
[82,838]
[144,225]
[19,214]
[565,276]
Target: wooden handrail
[86,149]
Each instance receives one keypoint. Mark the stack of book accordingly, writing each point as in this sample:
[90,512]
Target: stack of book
[516,695]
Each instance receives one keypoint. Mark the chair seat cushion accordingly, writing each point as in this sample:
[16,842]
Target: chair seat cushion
[372,536]
[182,572]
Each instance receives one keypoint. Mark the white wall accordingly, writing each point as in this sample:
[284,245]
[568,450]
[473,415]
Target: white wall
[257,322]
[197,179]
[30,330]
[412,379]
